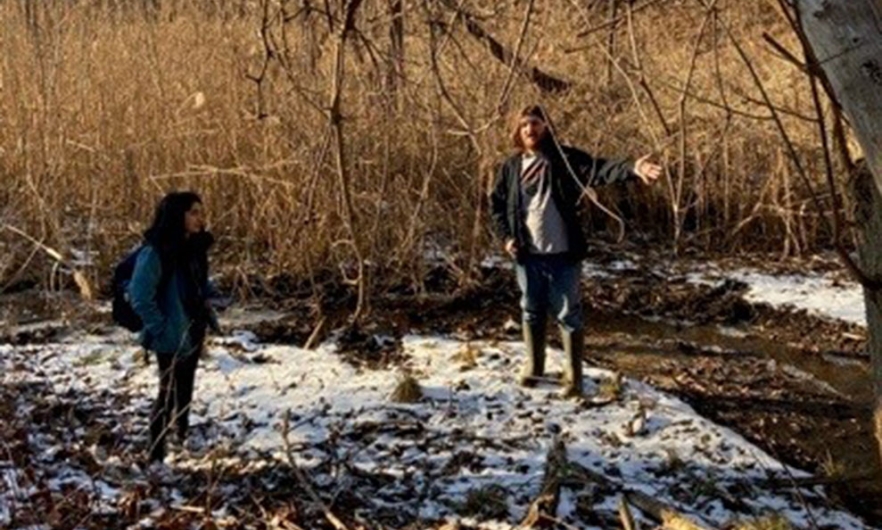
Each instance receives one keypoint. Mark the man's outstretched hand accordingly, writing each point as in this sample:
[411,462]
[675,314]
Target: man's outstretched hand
[647,171]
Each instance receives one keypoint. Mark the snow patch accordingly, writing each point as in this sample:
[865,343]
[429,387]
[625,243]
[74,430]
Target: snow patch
[474,429]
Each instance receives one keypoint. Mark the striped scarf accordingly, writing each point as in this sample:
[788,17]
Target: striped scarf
[536,174]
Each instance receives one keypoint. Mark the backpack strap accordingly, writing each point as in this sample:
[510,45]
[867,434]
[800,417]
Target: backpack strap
[166,271]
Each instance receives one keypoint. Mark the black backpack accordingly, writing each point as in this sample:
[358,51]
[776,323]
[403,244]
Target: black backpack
[123,314]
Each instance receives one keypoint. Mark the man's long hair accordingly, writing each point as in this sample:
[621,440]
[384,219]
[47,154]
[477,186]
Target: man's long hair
[546,145]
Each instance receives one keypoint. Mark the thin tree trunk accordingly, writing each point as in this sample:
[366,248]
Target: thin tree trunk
[611,40]
[335,117]
[395,75]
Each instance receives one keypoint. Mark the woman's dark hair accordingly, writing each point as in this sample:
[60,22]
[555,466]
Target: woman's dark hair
[168,234]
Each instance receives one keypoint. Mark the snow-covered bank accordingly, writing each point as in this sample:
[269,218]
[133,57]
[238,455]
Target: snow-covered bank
[824,294]
[473,436]
[821,294]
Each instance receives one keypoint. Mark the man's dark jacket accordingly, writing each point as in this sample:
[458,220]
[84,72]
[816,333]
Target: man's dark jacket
[505,200]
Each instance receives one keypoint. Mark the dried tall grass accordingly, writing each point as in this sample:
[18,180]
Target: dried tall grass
[104,107]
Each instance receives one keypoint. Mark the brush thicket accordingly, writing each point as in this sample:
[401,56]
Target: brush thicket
[104,107]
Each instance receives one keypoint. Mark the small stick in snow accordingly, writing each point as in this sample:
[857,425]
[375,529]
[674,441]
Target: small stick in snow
[626,516]
[302,478]
[313,337]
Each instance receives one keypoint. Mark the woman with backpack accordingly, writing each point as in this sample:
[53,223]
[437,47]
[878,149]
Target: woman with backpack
[169,291]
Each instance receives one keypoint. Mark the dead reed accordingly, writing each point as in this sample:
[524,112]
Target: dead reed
[348,141]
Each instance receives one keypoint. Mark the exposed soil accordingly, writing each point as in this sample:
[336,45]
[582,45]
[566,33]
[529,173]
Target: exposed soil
[774,380]
[793,383]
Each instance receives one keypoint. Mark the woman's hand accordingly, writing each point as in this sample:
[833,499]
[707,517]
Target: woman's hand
[213,322]
[511,248]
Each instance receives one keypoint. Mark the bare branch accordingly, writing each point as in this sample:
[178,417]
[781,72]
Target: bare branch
[544,81]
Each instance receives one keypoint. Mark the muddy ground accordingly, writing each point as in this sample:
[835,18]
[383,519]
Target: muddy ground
[794,384]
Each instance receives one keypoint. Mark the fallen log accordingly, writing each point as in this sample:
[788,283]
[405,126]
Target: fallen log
[807,482]
[667,516]
[543,510]
[37,332]
[63,259]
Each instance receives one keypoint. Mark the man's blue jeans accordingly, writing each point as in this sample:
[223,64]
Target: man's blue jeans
[550,282]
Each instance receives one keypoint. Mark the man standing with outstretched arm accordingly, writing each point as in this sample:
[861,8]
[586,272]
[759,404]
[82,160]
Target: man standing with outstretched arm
[534,207]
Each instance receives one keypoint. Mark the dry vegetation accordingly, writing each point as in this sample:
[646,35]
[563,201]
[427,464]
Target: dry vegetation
[337,154]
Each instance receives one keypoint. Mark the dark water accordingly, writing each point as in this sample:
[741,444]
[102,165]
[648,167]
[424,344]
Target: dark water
[842,440]
[849,376]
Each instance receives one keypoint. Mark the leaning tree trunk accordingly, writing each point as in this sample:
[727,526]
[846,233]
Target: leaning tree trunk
[846,42]
[845,38]
[868,215]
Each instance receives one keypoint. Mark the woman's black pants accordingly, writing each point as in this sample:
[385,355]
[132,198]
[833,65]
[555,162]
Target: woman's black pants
[172,408]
